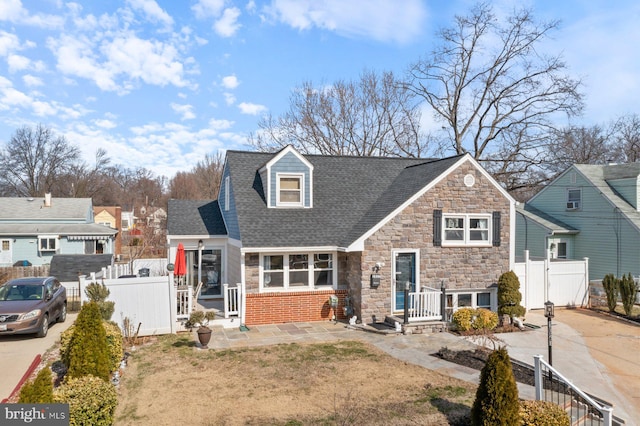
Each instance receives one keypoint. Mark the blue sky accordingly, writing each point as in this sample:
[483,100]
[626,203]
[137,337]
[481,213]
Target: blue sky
[161,83]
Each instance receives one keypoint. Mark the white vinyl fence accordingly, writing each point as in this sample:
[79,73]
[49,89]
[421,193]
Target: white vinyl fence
[148,302]
[563,282]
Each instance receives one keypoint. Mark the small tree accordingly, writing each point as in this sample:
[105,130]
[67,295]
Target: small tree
[628,289]
[610,284]
[496,400]
[88,348]
[98,293]
[40,391]
[509,296]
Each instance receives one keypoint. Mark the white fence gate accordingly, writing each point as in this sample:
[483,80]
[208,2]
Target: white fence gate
[150,302]
[564,282]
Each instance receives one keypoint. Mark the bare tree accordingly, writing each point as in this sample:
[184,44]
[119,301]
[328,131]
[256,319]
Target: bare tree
[627,139]
[33,160]
[85,181]
[494,92]
[374,116]
[201,183]
[579,145]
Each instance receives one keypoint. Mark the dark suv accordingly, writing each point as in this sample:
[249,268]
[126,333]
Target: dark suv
[29,305]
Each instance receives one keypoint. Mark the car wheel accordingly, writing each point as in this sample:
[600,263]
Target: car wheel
[44,328]
[63,313]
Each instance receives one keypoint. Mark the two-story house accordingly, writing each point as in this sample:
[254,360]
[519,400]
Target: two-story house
[588,211]
[34,229]
[292,230]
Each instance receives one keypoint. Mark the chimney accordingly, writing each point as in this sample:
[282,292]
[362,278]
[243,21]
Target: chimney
[47,199]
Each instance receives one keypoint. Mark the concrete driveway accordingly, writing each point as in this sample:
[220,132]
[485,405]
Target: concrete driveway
[597,352]
[18,352]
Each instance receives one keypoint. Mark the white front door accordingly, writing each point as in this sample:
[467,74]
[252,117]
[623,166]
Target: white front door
[5,252]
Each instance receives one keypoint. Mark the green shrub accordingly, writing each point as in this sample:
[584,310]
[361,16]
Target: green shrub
[610,284]
[484,319]
[542,413]
[462,318]
[40,391]
[496,400]
[98,293]
[509,296]
[628,289]
[88,352]
[92,401]
[114,340]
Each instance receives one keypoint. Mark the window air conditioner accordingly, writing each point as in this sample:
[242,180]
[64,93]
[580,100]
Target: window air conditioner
[572,205]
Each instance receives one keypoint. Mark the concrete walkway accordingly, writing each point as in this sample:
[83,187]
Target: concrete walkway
[572,355]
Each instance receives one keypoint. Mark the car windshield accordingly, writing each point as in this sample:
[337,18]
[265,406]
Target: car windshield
[20,292]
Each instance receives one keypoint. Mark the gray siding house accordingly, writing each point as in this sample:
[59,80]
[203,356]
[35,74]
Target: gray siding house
[588,211]
[292,230]
[33,230]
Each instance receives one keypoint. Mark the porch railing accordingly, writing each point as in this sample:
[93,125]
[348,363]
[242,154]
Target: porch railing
[583,409]
[425,305]
[231,300]
[185,298]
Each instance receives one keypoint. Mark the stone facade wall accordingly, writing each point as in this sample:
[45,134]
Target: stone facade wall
[252,272]
[459,267]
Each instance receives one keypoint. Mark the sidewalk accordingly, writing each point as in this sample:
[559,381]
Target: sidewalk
[571,354]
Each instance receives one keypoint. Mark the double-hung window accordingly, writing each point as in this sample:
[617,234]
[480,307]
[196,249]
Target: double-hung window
[574,198]
[290,190]
[47,243]
[467,229]
[297,270]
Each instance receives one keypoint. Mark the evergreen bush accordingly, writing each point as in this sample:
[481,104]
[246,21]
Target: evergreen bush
[98,293]
[628,289]
[40,391]
[462,318]
[509,296]
[92,401]
[496,402]
[88,352]
[610,285]
[484,319]
[543,413]
[115,343]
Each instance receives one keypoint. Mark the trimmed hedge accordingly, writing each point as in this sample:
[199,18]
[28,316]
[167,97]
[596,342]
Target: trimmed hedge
[92,401]
[40,391]
[88,352]
[542,413]
[465,319]
[496,402]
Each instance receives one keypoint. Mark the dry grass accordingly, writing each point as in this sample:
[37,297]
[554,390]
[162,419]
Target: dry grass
[347,382]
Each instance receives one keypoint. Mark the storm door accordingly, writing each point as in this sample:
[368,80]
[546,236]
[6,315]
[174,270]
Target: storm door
[406,273]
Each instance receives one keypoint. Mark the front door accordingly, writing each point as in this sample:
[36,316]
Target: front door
[5,252]
[406,271]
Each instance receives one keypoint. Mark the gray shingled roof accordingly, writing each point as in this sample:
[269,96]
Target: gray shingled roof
[350,195]
[195,217]
[33,209]
[66,229]
[67,267]
[549,222]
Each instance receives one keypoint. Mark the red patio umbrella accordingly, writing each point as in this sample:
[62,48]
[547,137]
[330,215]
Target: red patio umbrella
[180,265]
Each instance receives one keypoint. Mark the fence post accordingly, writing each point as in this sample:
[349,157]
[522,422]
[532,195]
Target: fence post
[443,301]
[225,294]
[538,376]
[607,416]
[173,302]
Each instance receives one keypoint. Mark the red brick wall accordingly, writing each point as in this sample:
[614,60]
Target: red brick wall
[307,306]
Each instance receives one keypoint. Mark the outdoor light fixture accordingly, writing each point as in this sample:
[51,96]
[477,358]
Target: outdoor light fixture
[548,313]
[200,245]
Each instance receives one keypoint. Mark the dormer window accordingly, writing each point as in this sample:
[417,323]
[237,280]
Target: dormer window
[290,190]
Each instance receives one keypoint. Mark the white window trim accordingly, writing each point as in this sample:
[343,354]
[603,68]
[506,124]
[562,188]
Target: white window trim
[48,237]
[575,207]
[302,186]
[474,298]
[467,240]
[394,254]
[311,269]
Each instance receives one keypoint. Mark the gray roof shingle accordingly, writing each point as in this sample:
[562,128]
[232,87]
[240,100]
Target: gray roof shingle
[195,217]
[33,209]
[67,267]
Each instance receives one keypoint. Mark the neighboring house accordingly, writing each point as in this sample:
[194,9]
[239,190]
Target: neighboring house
[128,221]
[588,211]
[291,230]
[153,217]
[34,229]
[110,216]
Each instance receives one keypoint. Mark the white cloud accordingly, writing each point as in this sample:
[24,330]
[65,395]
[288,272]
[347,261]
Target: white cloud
[186,111]
[208,8]
[220,124]
[229,98]
[154,12]
[251,109]
[228,24]
[17,63]
[105,124]
[382,20]
[8,43]
[230,82]
[13,11]
[32,81]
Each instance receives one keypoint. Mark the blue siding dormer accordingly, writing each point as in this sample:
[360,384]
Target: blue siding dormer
[226,201]
[288,180]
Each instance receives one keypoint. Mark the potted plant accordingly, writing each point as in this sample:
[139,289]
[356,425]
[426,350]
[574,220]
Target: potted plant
[201,320]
